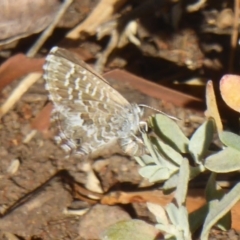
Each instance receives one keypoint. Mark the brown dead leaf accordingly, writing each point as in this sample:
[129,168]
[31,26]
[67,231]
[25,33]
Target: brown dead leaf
[194,201]
[42,120]
[212,108]
[20,19]
[230,87]
[18,66]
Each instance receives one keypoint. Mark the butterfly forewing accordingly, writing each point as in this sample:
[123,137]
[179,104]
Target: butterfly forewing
[88,111]
[70,79]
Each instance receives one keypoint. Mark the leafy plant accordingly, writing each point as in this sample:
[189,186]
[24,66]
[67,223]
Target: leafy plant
[168,160]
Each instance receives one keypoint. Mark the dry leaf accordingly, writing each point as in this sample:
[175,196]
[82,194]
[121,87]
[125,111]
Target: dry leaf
[230,91]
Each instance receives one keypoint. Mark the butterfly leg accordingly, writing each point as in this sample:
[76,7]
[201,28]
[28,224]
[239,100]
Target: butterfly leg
[132,146]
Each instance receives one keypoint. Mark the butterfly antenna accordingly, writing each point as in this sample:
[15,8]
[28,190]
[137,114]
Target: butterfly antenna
[157,110]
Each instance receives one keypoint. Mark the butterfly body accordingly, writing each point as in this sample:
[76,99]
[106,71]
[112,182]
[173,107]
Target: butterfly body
[89,113]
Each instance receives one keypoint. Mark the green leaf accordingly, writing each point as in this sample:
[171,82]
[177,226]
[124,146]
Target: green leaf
[230,139]
[140,161]
[171,183]
[217,209]
[227,160]
[132,229]
[183,223]
[195,171]
[159,212]
[182,186]
[159,176]
[154,173]
[197,218]
[225,222]
[179,219]
[172,212]
[144,160]
[214,191]
[170,133]
[169,152]
[170,165]
[201,140]
[150,149]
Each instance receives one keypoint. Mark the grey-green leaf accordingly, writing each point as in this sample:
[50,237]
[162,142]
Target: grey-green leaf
[182,186]
[230,139]
[214,191]
[144,160]
[172,212]
[197,217]
[170,133]
[159,212]
[201,140]
[227,160]
[218,209]
[183,223]
[150,148]
[169,152]
[154,173]
[161,175]
[171,183]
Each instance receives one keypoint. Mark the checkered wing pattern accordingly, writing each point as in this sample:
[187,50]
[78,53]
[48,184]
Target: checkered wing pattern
[88,112]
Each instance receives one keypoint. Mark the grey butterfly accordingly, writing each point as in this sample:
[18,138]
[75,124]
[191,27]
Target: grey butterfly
[90,114]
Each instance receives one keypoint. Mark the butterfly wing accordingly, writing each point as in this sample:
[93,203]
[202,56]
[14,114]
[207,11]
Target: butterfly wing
[88,111]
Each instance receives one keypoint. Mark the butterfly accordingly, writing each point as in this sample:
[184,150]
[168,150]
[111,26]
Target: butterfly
[88,112]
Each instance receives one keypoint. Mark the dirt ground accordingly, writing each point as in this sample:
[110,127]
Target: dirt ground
[41,184]
[37,179]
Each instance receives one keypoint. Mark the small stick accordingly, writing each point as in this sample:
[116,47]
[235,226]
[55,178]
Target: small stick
[100,14]
[234,37]
[196,6]
[30,79]
[17,93]
[48,31]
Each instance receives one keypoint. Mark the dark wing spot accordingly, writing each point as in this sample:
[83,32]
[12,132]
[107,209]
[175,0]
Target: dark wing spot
[86,119]
[88,122]
[78,141]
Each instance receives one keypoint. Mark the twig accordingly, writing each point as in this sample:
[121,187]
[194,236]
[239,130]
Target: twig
[196,6]
[118,39]
[29,136]
[123,30]
[23,86]
[30,79]
[38,44]
[102,57]
[234,37]
[101,13]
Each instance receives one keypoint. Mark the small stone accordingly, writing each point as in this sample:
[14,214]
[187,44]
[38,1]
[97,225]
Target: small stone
[91,227]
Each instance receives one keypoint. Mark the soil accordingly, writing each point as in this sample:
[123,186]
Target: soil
[34,194]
